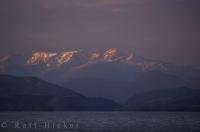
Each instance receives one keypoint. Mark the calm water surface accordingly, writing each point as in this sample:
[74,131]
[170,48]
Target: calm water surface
[100,121]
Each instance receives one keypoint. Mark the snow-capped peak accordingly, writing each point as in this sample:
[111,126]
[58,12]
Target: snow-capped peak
[4,58]
[94,56]
[40,57]
[130,57]
[110,54]
[65,57]
[50,58]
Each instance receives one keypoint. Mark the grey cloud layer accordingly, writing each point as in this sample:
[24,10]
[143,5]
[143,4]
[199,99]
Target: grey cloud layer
[162,29]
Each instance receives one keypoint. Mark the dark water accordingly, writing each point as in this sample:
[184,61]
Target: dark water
[100,121]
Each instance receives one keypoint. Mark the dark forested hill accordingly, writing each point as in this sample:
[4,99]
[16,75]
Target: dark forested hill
[173,99]
[29,93]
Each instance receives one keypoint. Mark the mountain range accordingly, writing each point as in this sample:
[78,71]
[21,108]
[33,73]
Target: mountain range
[33,94]
[112,74]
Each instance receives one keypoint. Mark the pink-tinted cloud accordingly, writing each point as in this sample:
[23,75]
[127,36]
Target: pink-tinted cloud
[89,3]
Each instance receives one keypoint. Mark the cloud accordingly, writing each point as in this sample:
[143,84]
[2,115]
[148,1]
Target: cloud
[89,3]
[113,5]
[79,3]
